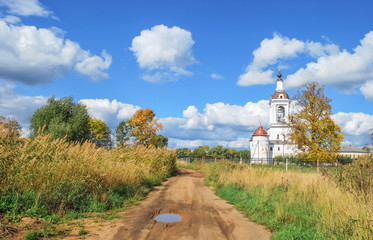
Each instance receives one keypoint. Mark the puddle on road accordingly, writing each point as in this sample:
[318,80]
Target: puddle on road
[168,218]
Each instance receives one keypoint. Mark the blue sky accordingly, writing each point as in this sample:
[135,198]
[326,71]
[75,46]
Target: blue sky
[206,68]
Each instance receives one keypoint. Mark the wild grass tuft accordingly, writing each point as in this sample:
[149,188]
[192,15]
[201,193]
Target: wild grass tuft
[82,232]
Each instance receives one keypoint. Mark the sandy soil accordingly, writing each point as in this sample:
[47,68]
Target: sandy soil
[203,215]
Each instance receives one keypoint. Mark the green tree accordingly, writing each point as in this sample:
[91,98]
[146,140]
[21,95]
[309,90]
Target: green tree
[143,127]
[162,141]
[200,152]
[183,152]
[311,128]
[100,133]
[233,153]
[244,154]
[216,151]
[122,134]
[61,118]
[228,153]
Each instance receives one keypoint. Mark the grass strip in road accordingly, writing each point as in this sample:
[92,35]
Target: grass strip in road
[286,220]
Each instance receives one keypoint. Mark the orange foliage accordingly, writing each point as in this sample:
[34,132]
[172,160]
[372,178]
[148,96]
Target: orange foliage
[143,127]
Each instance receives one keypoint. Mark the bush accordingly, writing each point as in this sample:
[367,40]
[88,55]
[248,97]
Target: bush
[357,178]
[344,160]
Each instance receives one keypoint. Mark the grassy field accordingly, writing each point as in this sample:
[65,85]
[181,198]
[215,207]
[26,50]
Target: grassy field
[50,179]
[297,204]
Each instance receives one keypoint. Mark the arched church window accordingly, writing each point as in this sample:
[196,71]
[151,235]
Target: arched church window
[278,136]
[280,114]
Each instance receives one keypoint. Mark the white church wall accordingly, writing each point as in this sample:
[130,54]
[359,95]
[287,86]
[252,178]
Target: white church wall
[259,149]
[281,149]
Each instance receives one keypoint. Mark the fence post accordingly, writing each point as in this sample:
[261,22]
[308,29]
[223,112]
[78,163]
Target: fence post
[286,164]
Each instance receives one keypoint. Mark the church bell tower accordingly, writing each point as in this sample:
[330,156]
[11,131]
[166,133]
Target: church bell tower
[279,111]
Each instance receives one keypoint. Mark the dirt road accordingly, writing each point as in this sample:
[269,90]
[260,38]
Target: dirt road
[203,215]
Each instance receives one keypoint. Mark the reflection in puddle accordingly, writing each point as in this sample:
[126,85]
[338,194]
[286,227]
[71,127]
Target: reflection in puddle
[168,218]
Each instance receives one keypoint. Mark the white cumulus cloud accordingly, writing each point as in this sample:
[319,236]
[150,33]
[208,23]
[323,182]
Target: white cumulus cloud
[94,66]
[346,71]
[26,8]
[33,56]
[219,123]
[164,52]
[317,49]
[367,90]
[17,106]
[111,112]
[268,53]
[343,69]
[271,50]
[356,127]
[354,123]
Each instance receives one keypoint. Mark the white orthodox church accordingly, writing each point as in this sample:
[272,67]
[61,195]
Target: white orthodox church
[265,145]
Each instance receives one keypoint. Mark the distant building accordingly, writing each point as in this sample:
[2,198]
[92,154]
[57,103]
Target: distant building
[265,145]
[352,152]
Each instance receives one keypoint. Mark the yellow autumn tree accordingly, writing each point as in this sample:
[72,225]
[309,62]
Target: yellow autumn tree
[99,133]
[311,128]
[143,127]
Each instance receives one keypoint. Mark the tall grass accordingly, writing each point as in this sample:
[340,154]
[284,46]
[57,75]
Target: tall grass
[44,176]
[296,205]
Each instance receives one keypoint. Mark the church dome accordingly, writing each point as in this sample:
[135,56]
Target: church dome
[280,95]
[260,131]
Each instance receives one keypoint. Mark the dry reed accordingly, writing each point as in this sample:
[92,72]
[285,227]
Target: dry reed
[344,214]
[63,176]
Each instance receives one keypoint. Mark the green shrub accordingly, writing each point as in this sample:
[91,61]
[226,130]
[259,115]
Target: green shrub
[344,160]
[82,232]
